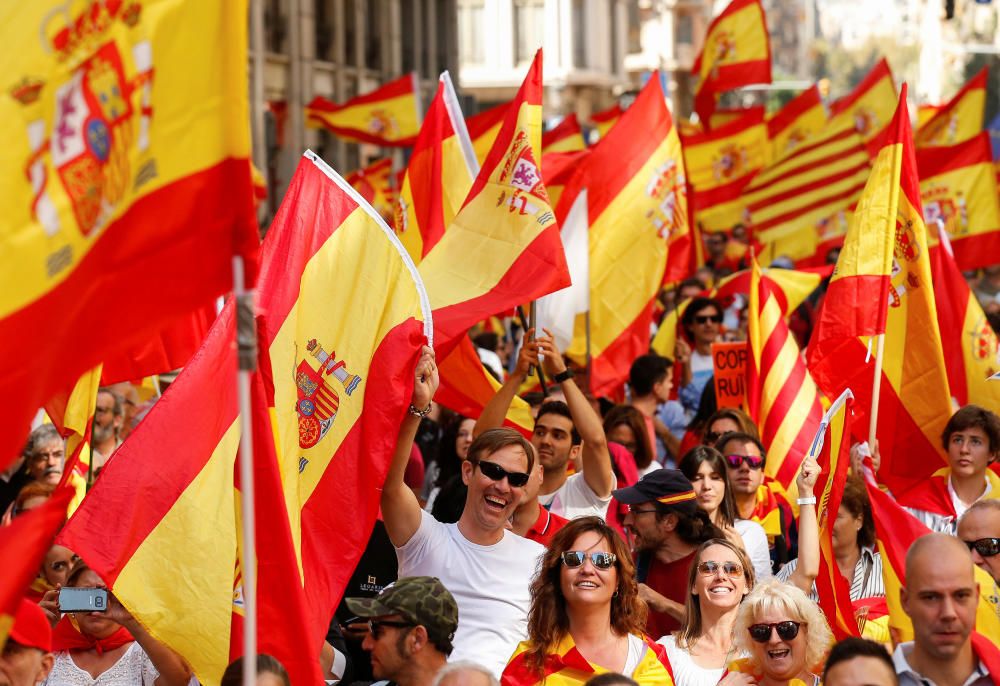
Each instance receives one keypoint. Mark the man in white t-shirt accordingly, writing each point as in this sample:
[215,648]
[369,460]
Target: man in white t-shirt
[563,431]
[486,568]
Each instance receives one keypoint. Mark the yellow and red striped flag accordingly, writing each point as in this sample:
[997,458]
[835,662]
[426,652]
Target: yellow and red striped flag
[639,233]
[882,284]
[438,177]
[605,119]
[781,395]
[736,52]
[376,185]
[567,136]
[958,187]
[484,127]
[796,122]
[958,120]
[343,318]
[126,150]
[868,108]
[387,116]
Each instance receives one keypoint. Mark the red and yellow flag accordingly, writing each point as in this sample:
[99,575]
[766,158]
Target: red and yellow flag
[882,284]
[958,120]
[484,127]
[343,317]
[869,106]
[958,187]
[796,122]
[567,136]
[736,52]
[387,116]
[377,186]
[605,119]
[127,150]
[558,168]
[637,211]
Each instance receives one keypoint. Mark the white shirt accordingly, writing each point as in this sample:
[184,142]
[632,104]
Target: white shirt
[686,672]
[908,677]
[575,499]
[956,502]
[755,544]
[134,668]
[490,584]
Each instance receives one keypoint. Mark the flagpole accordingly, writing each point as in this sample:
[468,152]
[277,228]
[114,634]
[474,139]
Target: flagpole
[876,389]
[246,347]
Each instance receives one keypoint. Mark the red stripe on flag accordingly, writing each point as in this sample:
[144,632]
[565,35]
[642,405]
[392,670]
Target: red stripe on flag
[795,108]
[633,341]
[808,167]
[798,212]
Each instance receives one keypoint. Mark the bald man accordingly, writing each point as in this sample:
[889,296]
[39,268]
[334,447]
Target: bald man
[940,597]
[979,527]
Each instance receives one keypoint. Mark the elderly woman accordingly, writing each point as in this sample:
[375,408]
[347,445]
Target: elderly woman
[784,635]
[719,580]
[586,617]
[110,648]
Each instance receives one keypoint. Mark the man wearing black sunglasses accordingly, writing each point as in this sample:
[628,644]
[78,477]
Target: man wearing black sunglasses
[979,527]
[702,325]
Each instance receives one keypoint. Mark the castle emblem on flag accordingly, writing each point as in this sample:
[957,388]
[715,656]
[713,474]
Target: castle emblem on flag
[905,255]
[665,187]
[318,402]
[865,121]
[725,50]
[520,172]
[383,124]
[984,344]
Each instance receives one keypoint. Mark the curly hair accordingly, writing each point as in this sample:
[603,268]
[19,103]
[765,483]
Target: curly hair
[548,618]
[775,594]
[691,463]
[626,415]
[692,629]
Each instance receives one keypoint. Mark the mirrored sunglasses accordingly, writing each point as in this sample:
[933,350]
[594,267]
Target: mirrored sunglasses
[576,558]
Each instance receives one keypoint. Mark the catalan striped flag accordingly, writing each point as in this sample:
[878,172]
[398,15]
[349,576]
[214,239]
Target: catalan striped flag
[605,119]
[126,150]
[343,318]
[439,174]
[868,108]
[736,52]
[637,211]
[387,116]
[503,247]
[831,448]
[567,136]
[781,395]
[484,127]
[801,118]
[958,120]
[958,187]
[882,283]
[376,184]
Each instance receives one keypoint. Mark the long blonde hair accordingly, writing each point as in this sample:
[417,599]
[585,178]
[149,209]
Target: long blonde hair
[692,629]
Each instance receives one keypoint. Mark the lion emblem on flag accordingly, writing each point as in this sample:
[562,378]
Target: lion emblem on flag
[951,210]
[318,402]
[865,121]
[521,174]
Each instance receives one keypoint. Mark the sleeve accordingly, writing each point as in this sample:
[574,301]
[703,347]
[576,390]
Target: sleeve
[582,492]
[785,572]
[755,542]
[416,550]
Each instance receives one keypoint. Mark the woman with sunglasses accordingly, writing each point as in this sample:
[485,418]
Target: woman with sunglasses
[586,617]
[706,469]
[784,635]
[720,578]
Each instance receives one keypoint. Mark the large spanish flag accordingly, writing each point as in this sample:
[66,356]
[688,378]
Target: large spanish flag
[637,211]
[882,283]
[869,106]
[958,187]
[567,136]
[126,150]
[388,115]
[736,52]
[342,320]
[796,122]
[958,120]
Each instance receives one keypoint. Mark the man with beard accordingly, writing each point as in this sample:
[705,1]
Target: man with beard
[108,417]
[486,568]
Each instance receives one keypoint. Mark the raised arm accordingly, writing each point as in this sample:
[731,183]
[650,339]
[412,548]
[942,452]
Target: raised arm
[597,471]
[496,409]
[400,508]
[807,569]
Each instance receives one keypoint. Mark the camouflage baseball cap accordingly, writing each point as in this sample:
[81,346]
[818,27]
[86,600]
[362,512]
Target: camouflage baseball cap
[422,600]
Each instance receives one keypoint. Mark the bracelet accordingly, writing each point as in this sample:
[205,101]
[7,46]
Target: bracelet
[564,375]
[424,412]
[811,500]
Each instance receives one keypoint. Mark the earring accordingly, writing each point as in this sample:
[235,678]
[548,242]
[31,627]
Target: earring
[615,594]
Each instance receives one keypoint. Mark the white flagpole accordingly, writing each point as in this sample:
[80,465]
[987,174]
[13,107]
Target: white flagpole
[876,389]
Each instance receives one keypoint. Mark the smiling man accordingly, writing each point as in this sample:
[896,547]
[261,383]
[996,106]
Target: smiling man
[979,527]
[487,568]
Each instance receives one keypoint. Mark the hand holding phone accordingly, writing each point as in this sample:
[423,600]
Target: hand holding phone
[82,599]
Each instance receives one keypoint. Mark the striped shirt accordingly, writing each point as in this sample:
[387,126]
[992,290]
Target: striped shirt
[867,581]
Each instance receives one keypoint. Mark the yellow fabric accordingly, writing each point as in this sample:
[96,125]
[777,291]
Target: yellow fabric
[871,112]
[965,199]
[734,38]
[572,143]
[650,671]
[979,352]
[956,124]
[713,163]
[79,415]
[481,145]
[394,118]
[798,132]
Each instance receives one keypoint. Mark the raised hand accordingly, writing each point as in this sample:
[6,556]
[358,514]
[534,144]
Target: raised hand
[425,379]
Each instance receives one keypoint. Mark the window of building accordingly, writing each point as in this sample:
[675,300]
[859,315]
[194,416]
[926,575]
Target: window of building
[373,35]
[580,42]
[350,33]
[275,26]
[325,33]
[529,28]
[408,18]
[684,29]
[471,15]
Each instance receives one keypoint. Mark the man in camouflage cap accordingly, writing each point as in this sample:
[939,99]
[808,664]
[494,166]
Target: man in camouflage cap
[412,623]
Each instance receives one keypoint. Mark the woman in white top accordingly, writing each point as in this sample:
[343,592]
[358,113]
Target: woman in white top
[720,578]
[706,469]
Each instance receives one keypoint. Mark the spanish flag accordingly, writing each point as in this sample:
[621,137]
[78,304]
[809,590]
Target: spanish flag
[567,136]
[638,217]
[882,283]
[566,666]
[736,52]
[376,184]
[126,150]
[605,119]
[387,116]
[958,187]
[868,108]
[958,120]
[343,318]
[796,122]
[484,127]
[558,168]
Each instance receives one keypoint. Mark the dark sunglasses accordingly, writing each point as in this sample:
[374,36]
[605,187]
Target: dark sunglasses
[706,318]
[375,626]
[497,473]
[787,630]
[733,570]
[576,558]
[987,547]
[752,461]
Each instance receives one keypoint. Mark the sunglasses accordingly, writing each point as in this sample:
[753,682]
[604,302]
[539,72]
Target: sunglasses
[987,547]
[752,461]
[787,630]
[706,318]
[375,626]
[734,570]
[576,558]
[495,472]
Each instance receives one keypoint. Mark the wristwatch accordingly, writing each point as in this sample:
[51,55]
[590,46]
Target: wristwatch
[564,375]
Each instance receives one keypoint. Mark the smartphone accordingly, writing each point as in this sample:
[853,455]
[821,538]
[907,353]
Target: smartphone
[75,599]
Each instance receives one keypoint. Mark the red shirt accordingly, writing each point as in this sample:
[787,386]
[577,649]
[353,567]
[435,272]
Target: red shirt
[546,526]
[671,581]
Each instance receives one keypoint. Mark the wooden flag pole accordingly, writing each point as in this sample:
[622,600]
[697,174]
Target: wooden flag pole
[876,389]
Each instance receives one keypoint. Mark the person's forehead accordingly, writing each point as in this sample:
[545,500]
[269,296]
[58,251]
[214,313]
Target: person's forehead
[741,447]
[551,420]
[707,309]
[862,670]
[718,553]
[980,523]
[941,573]
[508,456]
[971,431]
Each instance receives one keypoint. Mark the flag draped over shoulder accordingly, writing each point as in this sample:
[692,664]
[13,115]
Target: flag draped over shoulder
[126,150]
[637,212]
[343,318]
[388,116]
[882,284]
[567,136]
[736,52]
[869,106]
[960,119]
